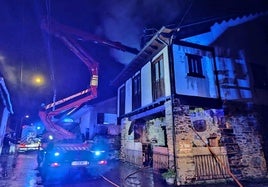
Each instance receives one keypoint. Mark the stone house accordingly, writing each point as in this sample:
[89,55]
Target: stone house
[195,103]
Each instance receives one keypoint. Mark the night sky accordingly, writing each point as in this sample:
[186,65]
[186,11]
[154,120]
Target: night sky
[26,50]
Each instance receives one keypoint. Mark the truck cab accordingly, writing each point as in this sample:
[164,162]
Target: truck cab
[73,159]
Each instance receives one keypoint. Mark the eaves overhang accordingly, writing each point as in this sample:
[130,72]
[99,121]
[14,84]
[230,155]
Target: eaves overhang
[215,103]
[156,44]
[149,111]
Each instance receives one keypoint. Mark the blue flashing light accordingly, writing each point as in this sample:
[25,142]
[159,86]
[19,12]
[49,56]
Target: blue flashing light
[56,154]
[97,153]
[50,137]
[68,120]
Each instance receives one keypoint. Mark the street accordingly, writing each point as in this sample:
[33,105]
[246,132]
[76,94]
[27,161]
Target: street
[121,174]
[24,174]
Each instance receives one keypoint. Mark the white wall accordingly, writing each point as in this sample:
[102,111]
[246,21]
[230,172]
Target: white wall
[194,86]
[146,84]
[89,120]
[128,101]
[231,87]
[4,117]
[249,48]
[164,51]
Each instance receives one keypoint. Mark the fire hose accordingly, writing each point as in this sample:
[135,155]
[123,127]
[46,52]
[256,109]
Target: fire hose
[218,159]
[111,182]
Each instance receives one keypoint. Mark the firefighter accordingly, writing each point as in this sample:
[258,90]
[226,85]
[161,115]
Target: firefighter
[44,148]
[4,154]
[6,144]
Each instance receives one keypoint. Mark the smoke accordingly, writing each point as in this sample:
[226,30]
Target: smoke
[125,21]
[8,71]
[16,75]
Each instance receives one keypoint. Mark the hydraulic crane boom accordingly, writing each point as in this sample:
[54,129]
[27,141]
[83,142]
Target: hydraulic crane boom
[69,37]
[55,28]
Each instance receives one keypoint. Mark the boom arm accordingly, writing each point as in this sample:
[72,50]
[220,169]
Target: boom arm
[67,34]
[55,28]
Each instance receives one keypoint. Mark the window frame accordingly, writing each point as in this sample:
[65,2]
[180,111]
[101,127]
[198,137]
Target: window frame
[158,78]
[136,91]
[195,68]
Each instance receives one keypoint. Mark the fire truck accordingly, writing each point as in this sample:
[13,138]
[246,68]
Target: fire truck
[65,152]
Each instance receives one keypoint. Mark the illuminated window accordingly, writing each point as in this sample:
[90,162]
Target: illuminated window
[158,82]
[136,91]
[194,65]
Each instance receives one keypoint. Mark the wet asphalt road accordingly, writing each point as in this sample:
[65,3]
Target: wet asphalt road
[120,174]
[24,174]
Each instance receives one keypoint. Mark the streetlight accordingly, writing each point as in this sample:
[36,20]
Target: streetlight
[38,80]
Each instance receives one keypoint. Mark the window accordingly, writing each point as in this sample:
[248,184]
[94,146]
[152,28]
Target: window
[194,65]
[122,93]
[136,91]
[158,82]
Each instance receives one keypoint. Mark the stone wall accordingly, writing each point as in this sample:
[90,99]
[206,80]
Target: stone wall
[151,133]
[233,133]
[169,132]
[128,143]
[154,133]
[183,137]
[236,135]
[243,140]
